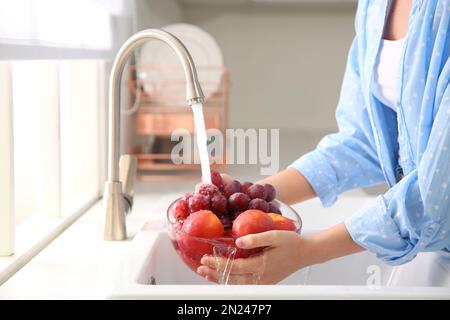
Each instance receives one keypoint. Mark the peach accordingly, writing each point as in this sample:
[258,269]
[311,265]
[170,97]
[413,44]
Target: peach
[282,223]
[250,222]
[197,230]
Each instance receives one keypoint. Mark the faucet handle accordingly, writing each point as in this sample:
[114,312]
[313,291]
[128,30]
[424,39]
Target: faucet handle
[127,175]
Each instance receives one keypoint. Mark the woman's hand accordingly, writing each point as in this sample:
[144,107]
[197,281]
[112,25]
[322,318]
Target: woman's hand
[280,258]
[285,252]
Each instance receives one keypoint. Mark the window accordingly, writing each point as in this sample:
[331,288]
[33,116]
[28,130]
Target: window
[58,23]
[6,164]
[55,144]
[53,83]
[82,101]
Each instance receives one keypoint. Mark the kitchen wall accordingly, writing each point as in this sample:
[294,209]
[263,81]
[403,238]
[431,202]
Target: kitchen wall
[150,14]
[286,63]
[157,13]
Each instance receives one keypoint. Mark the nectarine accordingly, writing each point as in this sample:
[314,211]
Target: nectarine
[250,222]
[197,229]
[282,223]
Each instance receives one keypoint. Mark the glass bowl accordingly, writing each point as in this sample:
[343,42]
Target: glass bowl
[191,249]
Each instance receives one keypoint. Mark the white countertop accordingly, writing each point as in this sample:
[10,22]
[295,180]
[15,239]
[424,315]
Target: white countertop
[75,265]
[79,265]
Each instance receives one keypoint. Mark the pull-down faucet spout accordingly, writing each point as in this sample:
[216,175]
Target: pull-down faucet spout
[118,200]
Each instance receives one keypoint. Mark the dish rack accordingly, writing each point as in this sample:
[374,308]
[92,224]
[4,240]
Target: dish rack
[157,114]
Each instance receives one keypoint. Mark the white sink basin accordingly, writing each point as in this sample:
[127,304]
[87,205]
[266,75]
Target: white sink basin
[151,269]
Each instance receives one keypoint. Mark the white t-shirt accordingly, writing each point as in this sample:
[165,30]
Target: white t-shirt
[384,86]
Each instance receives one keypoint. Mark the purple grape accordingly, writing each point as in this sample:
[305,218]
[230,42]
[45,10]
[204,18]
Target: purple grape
[198,202]
[245,185]
[219,204]
[207,189]
[238,202]
[259,204]
[270,192]
[273,208]
[216,179]
[231,188]
[187,196]
[257,191]
[180,210]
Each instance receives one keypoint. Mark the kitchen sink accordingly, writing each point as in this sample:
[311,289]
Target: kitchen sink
[151,269]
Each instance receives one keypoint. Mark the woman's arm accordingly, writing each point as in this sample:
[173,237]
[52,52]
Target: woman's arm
[291,186]
[329,244]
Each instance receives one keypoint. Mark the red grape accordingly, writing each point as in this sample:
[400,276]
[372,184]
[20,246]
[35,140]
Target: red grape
[207,189]
[259,204]
[231,188]
[238,202]
[187,196]
[216,179]
[270,192]
[273,208]
[245,185]
[219,204]
[198,202]
[180,210]
[257,191]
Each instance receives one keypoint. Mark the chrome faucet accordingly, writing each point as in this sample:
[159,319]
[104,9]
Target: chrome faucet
[119,190]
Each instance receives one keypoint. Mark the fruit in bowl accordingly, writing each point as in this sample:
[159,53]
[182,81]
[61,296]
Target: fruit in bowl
[250,222]
[209,221]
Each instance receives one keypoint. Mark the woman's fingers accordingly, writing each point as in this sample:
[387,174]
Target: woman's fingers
[251,265]
[215,262]
[217,276]
[264,239]
[208,273]
[244,279]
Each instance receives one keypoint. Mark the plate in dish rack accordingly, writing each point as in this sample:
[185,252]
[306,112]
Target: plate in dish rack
[160,70]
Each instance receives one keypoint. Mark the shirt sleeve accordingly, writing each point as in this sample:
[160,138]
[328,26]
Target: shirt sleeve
[414,215]
[347,159]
